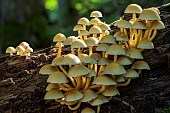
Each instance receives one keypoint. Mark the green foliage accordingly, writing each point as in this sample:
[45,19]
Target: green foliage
[164,110]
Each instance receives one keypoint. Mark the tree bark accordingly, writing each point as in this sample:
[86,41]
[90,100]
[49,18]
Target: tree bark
[23,89]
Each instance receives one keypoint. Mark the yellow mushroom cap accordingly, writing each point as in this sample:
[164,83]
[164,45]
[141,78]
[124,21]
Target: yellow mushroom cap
[124,24]
[10,50]
[139,25]
[92,73]
[83,21]
[115,50]
[140,65]
[71,59]
[111,91]
[57,77]
[84,33]
[145,44]
[99,100]
[149,14]
[88,95]
[20,49]
[53,94]
[95,30]
[104,26]
[96,14]
[96,56]
[70,40]
[24,44]
[103,61]
[156,9]
[124,60]
[103,80]
[119,79]
[91,41]
[78,28]
[134,53]
[102,47]
[95,21]
[157,25]
[73,95]
[78,70]
[84,58]
[109,39]
[48,69]
[59,37]
[114,69]
[52,86]
[78,44]
[88,110]
[130,74]
[28,49]
[57,61]
[133,8]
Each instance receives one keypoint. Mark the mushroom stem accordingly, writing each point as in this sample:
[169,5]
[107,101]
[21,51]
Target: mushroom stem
[103,53]
[153,36]
[125,31]
[76,107]
[139,72]
[84,27]
[79,51]
[109,98]
[98,108]
[95,35]
[90,50]
[102,35]
[59,49]
[87,83]
[83,82]
[141,34]
[148,24]
[134,17]
[78,83]
[67,86]
[72,51]
[62,69]
[100,70]
[115,58]
[126,45]
[81,37]
[121,30]
[95,86]
[106,55]
[95,68]
[11,54]
[64,88]
[131,40]
[73,81]
[101,89]
[126,83]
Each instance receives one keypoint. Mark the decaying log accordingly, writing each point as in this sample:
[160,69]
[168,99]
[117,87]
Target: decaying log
[23,89]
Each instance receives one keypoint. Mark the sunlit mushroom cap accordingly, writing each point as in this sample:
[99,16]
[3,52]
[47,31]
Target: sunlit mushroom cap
[52,86]
[157,25]
[71,59]
[124,24]
[92,73]
[53,94]
[58,61]
[10,50]
[156,9]
[103,80]
[130,74]
[91,41]
[78,28]
[119,79]
[96,14]
[48,69]
[115,49]
[78,44]
[104,61]
[99,100]
[20,49]
[24,44]
[84,58]
[73,95]
[88,110]
[69,40]
[124,60]
[149,14]
[28,49]
[83,21]
[121,37]
[109,39]
[140,65]
[57,77]
[78,70]
[88,95]
[114,69]
[134,53]
[133,8]
[59,37]
[104,26]
[139,25]
[102,47]
[96,56]
[111,91]
[95,30]
[94,21]
[145,44]
[84,33]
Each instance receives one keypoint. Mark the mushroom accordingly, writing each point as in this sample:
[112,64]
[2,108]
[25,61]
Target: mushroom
[140,65]
[134,53]
[133,8]
[95,30]
[78,44]
[78,28]
[88,110]
[83,21]
[88,95]
[102,63]
[28,50]
[59,38]
[24,45]
[104,27]
[52,86]
[96,14]
[11,50]
[145,44]
[84,33]
[111,91]
[20,50]
[53,94]
[102,47]
[124,61]
[95,22]
[48,69]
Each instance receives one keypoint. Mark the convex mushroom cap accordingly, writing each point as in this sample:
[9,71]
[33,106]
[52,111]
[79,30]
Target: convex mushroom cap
[53,94]
[24,44]
[88,95]
[48,69]
[57,77]
[59,37]
[10,50]
[149,14]
[96,14]
[140,65]
[95,30]
[73,95]
[88,110]
[99,100]
[133,8]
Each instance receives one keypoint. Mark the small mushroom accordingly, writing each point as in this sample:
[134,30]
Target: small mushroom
[83,21]
[24,45]
[20,50]
[11,50]
[53,94]
[88,95]
[78,44]
[96,14]
[28,50]
[88,110]
[48,69]
[95,30]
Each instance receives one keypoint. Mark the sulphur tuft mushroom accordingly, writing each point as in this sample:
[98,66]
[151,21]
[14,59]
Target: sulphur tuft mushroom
[11,50]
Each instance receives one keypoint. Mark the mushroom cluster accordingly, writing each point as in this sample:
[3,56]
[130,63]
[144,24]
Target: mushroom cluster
[23,49]
[98,62]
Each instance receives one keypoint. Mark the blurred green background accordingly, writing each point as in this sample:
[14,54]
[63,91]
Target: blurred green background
[37,21]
